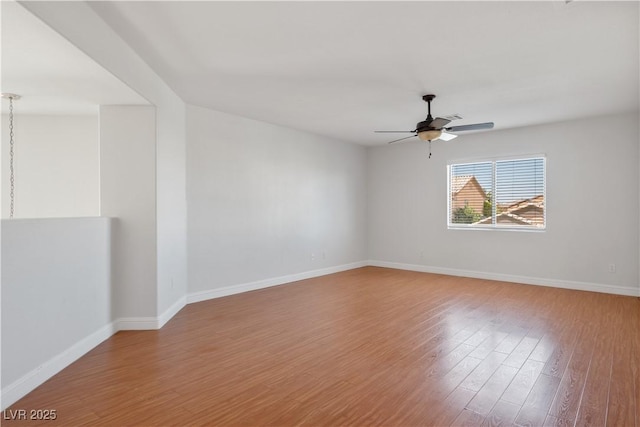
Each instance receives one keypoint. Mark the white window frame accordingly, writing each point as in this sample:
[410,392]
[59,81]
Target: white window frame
[494,160]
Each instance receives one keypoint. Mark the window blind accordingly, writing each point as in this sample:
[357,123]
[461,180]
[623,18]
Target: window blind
[502,193]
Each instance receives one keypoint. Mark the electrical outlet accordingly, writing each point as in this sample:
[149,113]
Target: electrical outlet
[612,268]
[313,256]
[324,255]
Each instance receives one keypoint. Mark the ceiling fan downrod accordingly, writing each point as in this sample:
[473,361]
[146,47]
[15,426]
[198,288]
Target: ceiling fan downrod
[428,99]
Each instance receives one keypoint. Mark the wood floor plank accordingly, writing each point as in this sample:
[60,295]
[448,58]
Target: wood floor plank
[468,418]
[622,404]
[593,407]
[523,382]
[534,410]
[485,369]
[489,344]
[444,364]
[559,359]
[369,346]
[503,414]
[544,349]
[484,401]
[510,343]
[521,353]
[445,413]
[568,397]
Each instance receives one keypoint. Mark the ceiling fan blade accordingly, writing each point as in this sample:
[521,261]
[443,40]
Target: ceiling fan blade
[439,123]
[394,131]
[451,117]
[401,139]
[447,136]
[476,126]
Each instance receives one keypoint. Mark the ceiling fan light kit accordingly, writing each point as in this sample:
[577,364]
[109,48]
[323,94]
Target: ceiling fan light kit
[433,129]
[429,135]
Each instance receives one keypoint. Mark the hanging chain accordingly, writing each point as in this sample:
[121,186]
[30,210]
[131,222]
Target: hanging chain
[11,170]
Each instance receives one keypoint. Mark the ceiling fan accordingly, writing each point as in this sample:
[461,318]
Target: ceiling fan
[432,129]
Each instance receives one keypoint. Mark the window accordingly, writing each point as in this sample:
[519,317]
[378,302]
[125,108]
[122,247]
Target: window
[498,194]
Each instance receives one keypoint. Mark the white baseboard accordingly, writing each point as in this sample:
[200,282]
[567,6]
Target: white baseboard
[137,323]
[150,323]
[30,381]
[266,283]
[19,388]
[171,311]
[27,383]
[538,281]
[22,386]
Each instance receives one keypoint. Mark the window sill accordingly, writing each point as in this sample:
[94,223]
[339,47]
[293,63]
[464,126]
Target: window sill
[503,228]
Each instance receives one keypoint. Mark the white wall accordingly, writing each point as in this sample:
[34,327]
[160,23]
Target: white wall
[592,206]
[56,297]
[56,166]
[171,207]
[128,193]
[263,198]
[79,23]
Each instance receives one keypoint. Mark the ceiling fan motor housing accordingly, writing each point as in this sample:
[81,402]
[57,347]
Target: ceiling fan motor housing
[423,126]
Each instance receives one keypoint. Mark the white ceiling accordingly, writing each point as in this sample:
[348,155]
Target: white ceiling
[52,75]
[344,69]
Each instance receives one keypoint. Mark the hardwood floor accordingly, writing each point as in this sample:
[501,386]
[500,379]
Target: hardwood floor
[370,346]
